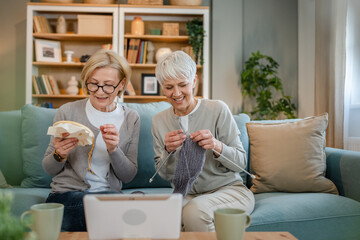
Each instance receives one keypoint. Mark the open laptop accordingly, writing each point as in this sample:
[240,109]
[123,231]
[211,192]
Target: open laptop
[115,216]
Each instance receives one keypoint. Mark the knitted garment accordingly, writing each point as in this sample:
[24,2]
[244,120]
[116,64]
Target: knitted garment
[189,166]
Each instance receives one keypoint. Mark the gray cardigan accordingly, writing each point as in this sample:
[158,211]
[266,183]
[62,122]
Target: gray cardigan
[215,116]
[70,175]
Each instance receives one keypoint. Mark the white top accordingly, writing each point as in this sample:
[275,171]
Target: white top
[184,120]
[100,161]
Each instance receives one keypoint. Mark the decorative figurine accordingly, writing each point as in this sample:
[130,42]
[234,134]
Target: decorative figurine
[150,53]
[69,56]
[84,58]
[72,88]
[61,25]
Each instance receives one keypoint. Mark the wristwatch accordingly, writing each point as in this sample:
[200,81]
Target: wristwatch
[58,157]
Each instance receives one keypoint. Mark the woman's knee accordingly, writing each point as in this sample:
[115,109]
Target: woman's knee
[196,217]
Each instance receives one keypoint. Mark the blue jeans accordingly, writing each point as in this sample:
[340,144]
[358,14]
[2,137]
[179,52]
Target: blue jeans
[74,216]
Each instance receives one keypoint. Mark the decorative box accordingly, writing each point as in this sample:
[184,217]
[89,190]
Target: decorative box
[170,29]
[95,24]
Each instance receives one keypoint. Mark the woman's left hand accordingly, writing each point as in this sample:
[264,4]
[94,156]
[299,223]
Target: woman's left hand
[206,140]
[111,137]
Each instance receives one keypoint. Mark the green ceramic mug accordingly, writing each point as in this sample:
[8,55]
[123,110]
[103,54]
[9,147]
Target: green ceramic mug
[46,220]
[230,223]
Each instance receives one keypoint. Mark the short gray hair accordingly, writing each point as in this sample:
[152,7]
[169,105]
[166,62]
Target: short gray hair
[176,65]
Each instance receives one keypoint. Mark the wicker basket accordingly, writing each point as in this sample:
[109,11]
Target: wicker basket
[146,2]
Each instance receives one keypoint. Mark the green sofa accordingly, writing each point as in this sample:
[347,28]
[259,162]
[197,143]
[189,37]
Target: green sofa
[305,215]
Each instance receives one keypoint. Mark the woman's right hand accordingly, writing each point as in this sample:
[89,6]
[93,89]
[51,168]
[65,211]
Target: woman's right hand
[173,140]
[64,145]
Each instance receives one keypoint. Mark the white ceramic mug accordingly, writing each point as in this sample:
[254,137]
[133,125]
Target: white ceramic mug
[230,223]
[46,220]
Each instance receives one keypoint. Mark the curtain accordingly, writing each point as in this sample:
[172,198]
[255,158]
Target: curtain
[330,45]
[352,80]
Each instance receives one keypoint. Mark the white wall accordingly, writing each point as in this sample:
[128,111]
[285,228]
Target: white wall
[227,52]
[12,54]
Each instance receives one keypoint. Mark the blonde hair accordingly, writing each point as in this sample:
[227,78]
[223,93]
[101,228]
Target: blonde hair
[106,58]
[176,65]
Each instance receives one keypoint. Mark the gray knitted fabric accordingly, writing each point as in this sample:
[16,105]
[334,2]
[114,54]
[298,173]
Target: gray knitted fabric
[189,166]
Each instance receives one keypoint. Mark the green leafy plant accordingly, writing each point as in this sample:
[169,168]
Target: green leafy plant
[11,228]
[259,80]
[196,33]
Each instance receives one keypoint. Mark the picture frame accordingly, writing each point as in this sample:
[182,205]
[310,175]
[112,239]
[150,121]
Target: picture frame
[149,85]
[47,51]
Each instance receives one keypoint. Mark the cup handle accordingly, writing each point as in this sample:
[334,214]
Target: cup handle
[248,221]
[23,216]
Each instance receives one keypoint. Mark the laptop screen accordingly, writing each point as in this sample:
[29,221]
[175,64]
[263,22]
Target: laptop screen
[114,216]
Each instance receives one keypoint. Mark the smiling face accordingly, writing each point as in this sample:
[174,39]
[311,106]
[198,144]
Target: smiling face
[105,76]
[180,94]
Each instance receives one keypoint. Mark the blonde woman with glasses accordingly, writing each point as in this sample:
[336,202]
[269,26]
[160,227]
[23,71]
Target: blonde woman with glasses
[112,160]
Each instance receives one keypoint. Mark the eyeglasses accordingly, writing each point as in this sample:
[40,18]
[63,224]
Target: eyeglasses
[109,89]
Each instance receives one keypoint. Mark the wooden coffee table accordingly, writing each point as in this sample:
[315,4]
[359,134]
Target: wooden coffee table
[196,236]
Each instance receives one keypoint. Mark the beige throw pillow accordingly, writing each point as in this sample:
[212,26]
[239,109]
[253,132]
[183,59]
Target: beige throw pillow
[3,183]
[289,156]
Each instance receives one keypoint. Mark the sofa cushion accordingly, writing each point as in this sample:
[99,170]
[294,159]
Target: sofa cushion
[290,156]
[241,120]
[24,198]
[10,147]
[35,122]
[146,165]
[304,213]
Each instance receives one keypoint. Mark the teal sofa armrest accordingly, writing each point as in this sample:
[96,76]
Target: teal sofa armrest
[343,168]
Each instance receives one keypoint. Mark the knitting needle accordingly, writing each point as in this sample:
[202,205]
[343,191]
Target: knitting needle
[167,158]
[251,175]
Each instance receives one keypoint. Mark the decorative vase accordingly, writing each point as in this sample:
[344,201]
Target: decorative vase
[72,88]
[61,25]
[161,52]
[137,26]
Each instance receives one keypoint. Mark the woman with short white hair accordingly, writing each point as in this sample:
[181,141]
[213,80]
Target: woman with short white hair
[193,142]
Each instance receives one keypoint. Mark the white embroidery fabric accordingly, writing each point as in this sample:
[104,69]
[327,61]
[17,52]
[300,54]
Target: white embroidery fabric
[77,130]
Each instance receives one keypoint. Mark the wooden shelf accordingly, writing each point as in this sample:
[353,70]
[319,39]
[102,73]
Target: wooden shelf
[140,65]
[59,96]
[57,64]
[73,37]
[160,38]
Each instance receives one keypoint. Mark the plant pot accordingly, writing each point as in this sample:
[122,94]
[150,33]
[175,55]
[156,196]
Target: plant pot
[186,2]
[99,1]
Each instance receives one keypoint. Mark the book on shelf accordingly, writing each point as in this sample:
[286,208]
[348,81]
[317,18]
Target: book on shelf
[46,84]
[130,50]
[126,40]
[130,89]
[54,85]
[35,85]
[135,50]
[139,51]
[41,24]
[145,52]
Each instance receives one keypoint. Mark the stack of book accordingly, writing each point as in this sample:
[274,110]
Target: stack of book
[41,25]
[135,50]
[45,84]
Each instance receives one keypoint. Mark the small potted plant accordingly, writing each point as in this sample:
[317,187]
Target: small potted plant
[196,33]
[259,81]
[11,227]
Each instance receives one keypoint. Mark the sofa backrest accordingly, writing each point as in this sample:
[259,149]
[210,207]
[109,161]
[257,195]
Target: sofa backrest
[26,140]
[11,163]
